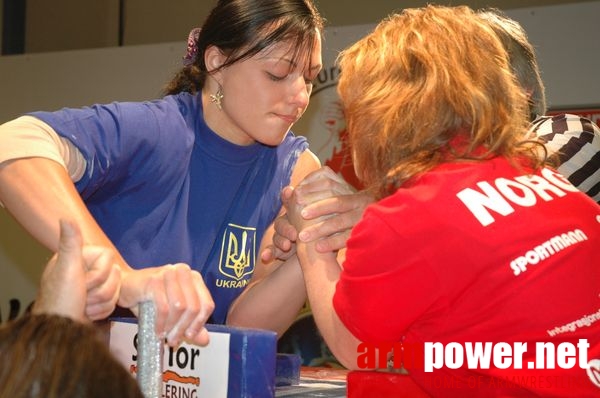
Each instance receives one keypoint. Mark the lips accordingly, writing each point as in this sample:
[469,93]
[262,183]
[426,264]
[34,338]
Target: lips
[291,119]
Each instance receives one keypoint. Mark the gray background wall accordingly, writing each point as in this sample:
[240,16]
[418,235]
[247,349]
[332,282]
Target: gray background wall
[75,24]
[72,58]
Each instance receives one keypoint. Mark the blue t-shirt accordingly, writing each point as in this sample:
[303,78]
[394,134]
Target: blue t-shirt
[166,189]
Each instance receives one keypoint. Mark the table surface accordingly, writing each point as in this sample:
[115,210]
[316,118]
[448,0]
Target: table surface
[317,382]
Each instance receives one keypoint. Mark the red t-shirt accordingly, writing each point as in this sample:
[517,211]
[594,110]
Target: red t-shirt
[480,252]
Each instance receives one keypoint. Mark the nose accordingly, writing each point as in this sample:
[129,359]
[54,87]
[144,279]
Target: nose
[300,92]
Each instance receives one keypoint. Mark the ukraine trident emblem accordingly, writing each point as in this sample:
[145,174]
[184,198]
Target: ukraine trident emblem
[238,251]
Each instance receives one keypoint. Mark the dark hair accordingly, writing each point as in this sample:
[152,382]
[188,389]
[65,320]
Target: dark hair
[50,356]
[242,28]
[522,57]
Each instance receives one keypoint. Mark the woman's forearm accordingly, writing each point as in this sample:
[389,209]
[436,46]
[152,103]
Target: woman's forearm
[321,273]
[38,192]
[272,302]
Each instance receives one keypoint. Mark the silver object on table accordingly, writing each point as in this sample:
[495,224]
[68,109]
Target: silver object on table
[150,352]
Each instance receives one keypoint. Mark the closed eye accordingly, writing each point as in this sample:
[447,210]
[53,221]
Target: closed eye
[275,78]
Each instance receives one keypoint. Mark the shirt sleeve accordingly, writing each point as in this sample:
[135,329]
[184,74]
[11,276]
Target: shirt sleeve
[385,285]
[27,137]
[124,143]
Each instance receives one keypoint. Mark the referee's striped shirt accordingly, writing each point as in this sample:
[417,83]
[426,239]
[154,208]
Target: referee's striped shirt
[577,142]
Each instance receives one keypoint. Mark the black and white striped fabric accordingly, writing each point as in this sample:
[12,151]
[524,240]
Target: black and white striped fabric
[577,142]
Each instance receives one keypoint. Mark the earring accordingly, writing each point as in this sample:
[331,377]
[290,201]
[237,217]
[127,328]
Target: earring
[217,97]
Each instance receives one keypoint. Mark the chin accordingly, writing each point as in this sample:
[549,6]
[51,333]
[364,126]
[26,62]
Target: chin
[273,140]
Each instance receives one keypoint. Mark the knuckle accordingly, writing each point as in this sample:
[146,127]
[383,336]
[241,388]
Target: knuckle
[182,267]
[162,308]
[209,307]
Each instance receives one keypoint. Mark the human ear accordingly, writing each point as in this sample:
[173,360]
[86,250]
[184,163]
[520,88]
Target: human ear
[214,59]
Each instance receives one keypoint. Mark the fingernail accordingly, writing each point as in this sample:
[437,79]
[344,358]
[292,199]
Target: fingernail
[172,339]
[304,236]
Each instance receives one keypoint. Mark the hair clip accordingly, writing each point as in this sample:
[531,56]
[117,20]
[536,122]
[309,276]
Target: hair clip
[191,52]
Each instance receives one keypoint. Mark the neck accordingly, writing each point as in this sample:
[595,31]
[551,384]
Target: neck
[219,122]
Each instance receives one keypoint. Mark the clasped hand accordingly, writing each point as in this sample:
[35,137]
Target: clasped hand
[323,208]
[85,283]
